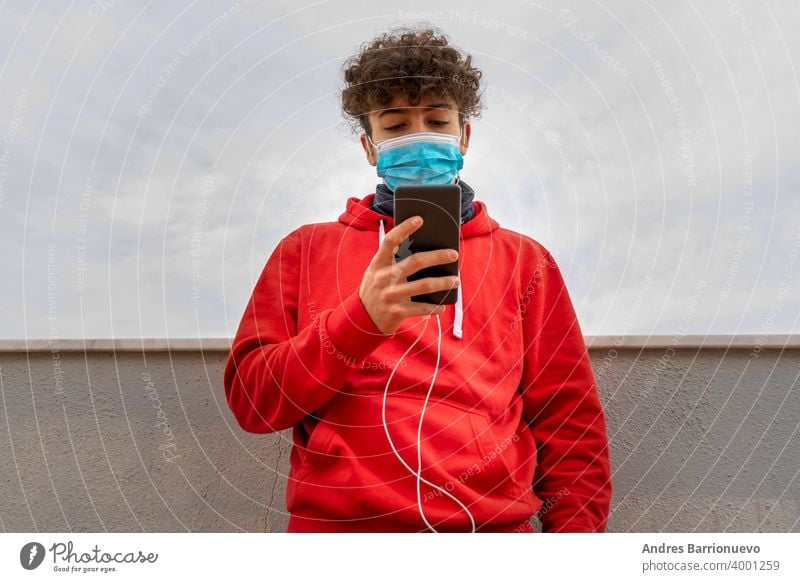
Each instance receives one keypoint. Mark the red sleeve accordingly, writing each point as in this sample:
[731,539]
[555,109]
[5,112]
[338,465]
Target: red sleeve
[275,376]
[561,401]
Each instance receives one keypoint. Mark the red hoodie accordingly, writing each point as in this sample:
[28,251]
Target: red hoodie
[513,425]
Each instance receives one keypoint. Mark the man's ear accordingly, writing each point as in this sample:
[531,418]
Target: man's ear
[463,146]
[372,155]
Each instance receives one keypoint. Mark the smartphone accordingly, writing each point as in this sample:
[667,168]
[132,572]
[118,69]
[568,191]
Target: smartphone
[439,205]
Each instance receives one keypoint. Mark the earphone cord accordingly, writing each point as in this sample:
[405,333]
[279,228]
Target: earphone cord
[417,473]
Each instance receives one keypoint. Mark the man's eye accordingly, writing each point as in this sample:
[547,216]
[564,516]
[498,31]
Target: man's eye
[440,123]
[394,127]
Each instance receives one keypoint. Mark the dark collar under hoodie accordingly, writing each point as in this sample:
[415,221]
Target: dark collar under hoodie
[383,201]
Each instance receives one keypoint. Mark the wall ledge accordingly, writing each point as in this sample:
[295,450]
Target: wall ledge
[593,342]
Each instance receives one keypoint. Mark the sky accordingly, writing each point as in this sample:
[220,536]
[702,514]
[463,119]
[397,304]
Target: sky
[152,155]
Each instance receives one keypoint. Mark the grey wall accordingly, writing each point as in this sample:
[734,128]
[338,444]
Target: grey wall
[702,439]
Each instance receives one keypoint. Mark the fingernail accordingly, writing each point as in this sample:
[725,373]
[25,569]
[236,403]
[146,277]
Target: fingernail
[453,255]
[417,220]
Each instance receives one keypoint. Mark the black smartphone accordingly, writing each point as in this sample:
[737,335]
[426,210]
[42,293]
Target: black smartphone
[439,205]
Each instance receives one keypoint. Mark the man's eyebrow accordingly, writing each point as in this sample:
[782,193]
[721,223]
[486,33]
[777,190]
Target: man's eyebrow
[402,109]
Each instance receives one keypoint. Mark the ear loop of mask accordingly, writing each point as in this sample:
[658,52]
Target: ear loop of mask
[417,473]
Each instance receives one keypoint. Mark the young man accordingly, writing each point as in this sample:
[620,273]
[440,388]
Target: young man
[409,416]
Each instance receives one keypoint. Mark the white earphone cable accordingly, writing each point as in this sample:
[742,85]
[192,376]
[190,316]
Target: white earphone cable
[417,473]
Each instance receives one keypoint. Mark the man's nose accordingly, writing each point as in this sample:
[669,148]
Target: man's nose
[417,124]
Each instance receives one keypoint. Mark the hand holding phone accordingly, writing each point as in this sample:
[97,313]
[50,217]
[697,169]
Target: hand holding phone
[386,292]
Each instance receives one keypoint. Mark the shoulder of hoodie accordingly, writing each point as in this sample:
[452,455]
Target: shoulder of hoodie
[530,249]
[304,229]
[536,263]
[313,229]
[295,237]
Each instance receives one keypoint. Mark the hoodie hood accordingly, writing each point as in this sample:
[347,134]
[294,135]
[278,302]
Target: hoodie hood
[360,214]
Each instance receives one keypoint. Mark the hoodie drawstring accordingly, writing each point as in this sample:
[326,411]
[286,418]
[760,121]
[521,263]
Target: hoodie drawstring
[459,314]
[457,330]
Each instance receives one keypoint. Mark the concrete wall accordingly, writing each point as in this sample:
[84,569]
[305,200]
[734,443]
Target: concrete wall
[703,438]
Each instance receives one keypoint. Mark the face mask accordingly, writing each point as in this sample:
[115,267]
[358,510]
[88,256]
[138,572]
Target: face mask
[419,158]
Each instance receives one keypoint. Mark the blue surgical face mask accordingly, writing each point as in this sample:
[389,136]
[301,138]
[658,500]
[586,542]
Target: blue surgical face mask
[419,158]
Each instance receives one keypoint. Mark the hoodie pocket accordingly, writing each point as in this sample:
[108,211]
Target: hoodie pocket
[317,447]
[348,469]
[500,458]
[351,432]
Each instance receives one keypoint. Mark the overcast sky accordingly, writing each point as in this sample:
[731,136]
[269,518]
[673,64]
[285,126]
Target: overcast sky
[153,154]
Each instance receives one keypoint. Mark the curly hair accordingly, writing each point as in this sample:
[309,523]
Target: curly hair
[413,62]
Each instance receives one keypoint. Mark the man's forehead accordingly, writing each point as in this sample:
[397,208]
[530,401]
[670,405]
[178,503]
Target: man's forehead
[400,104]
